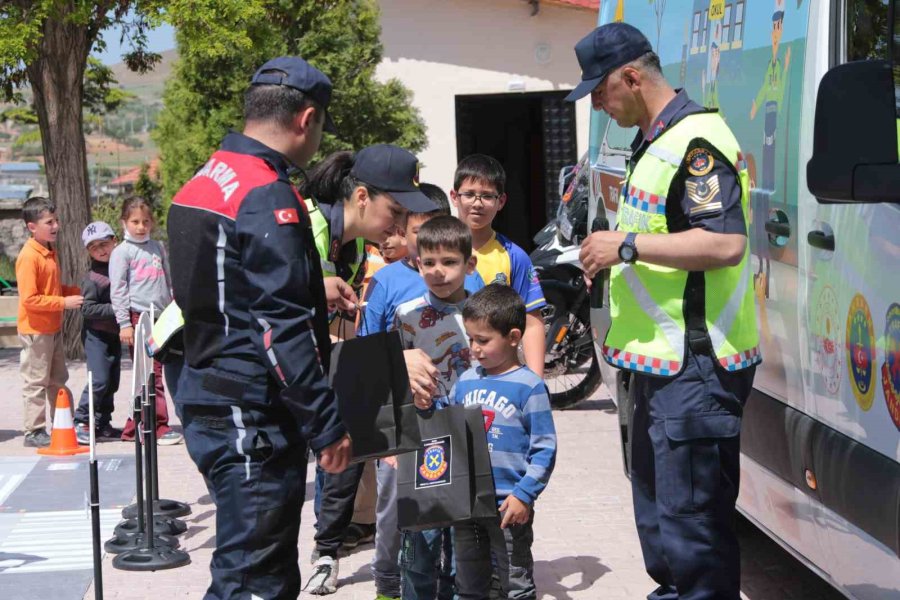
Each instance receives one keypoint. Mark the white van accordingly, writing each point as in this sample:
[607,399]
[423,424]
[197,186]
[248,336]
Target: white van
[807,88]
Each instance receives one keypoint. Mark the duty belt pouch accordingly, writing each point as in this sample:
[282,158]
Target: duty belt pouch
[448,480]
[369,376]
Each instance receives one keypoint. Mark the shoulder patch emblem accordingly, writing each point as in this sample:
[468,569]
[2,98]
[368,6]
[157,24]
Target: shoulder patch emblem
[702,193]
[699,162]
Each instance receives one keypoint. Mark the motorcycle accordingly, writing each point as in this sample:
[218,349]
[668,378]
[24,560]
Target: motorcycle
[571,367]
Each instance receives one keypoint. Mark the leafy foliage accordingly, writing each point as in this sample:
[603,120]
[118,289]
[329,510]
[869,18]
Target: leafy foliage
[204,97]
[100,95]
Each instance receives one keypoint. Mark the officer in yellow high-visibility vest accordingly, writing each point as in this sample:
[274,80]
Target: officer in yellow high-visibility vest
[682,310]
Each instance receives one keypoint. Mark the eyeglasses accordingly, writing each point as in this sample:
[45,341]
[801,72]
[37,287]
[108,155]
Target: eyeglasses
[470,197]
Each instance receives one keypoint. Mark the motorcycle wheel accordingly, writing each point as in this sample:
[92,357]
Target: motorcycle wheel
[574,373]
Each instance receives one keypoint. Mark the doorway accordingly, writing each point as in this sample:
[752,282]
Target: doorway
[533,137]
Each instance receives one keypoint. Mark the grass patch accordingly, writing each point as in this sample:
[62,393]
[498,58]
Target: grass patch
[7,269]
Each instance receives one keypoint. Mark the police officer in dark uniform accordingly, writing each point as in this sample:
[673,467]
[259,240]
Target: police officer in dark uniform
[683,318]
[253,394]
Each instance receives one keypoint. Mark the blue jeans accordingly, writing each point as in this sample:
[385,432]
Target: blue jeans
[485,550]
[426,574]
[103,351]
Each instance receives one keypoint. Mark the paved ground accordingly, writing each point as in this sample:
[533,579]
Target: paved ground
[586,546]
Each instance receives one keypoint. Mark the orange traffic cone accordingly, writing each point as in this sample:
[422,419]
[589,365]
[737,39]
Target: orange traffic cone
[62,438]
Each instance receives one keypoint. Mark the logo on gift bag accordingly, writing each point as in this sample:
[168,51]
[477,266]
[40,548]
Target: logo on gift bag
[433,462]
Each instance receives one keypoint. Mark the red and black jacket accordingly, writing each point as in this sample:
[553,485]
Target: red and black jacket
[247,277]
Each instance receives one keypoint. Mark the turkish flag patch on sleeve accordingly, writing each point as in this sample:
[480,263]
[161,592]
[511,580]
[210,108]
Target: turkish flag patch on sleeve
[283,216]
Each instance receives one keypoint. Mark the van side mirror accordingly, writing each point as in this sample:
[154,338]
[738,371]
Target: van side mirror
[855,156]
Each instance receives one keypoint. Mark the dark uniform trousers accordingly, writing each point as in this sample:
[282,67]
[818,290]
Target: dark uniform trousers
[254,463]
[684,476]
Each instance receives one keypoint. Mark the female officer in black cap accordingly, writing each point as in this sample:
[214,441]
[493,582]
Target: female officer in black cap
[353,198]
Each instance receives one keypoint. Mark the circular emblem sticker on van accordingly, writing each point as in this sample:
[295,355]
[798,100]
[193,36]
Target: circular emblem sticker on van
[861,350]
[890,370]
[828,359]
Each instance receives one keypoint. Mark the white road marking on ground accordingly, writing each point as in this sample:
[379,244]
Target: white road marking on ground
[54,541]
[9,484]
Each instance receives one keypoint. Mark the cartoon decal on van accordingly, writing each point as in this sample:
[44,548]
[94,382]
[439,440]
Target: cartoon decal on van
[770,99]
[827,335]
[709,79]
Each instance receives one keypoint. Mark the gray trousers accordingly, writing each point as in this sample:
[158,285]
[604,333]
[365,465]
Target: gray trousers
[385,566]
[42,364]
[481,545]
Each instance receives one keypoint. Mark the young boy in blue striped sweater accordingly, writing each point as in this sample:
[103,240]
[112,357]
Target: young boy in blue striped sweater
[522,441]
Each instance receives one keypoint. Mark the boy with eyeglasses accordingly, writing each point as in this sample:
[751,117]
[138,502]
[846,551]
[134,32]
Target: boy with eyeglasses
[479,194]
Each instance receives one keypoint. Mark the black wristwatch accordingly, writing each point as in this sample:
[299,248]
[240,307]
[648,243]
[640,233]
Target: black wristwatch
[627,250]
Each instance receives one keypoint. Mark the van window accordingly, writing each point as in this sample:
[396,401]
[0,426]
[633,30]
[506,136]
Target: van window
[867,30]
[618,138]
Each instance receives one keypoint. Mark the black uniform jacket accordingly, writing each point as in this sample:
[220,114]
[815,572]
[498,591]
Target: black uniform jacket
[247,277]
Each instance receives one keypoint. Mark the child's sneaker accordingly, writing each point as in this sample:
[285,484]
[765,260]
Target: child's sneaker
[108,432]
[37,439]
[358,533]
[83,434]
[324,578]
[383,597]
[170,438]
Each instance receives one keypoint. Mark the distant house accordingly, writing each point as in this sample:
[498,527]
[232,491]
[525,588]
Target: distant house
[489,76]
[24,173]
[124,183]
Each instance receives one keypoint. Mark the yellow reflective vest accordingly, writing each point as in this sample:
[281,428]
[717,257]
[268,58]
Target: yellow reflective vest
[322,234]
[649,333]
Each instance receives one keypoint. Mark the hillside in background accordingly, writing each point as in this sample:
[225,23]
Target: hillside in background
[149,87]
[116,141]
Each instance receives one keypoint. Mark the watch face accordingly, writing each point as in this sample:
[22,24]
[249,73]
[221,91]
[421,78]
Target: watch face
[626,253]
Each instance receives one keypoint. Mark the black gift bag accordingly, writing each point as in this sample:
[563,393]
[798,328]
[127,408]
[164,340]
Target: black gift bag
[448,479]
[369,376]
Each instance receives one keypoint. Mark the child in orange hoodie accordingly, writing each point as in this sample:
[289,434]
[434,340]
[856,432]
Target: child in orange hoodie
[42,300]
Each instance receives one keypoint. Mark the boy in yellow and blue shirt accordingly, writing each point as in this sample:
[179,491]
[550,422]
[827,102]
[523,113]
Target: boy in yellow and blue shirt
[479,194]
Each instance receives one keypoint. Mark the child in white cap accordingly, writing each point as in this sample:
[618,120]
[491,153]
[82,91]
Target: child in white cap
[100,336]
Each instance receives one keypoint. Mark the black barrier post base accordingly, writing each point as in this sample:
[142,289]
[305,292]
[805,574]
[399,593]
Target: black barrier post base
[161,508]
[150,556]
[167,525]
[151,559]
[138,540]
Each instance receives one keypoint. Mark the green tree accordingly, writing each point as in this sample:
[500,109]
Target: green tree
[45,44]
[203,98]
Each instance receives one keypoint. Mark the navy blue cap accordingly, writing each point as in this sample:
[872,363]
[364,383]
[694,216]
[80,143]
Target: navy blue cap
[295,72]
[394,171]
[604,49]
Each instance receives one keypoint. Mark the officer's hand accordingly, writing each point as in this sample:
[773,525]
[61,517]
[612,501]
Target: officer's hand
[339,295]
[336,457]
[423,375]
[600,250]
